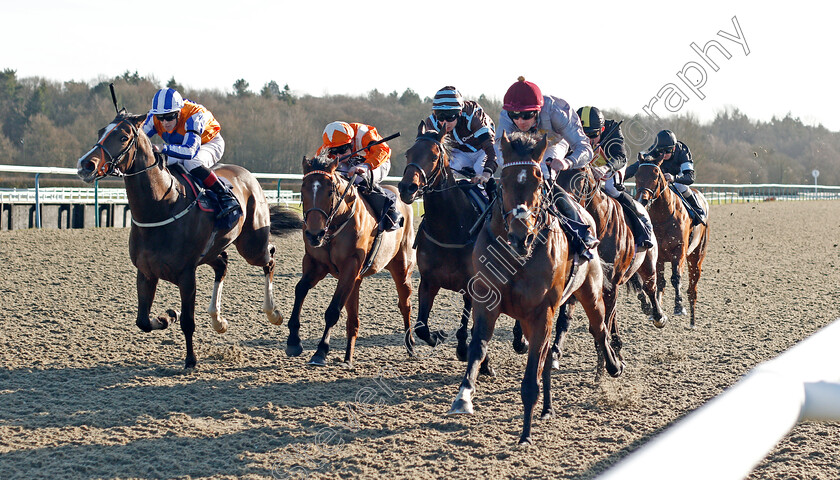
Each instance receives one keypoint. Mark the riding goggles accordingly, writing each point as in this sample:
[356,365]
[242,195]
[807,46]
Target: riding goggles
[446,117]
[522,115]
[167,117]
[333,151]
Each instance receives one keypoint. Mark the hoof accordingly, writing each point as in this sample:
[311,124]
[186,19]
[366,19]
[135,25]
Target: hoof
[461,352]
[318,360]
[545,415]
[173,315]
[617,370]
[659,323]
[220,326]
[189,363]
[680,311]
[293,350]
[438,337]
[487,370]
[555,363]
[461,407]
[525,441]
[159,323]
[275,317]
[408,341]
[346,365]
[520,347]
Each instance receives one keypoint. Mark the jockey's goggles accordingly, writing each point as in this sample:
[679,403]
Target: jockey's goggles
[339,150]
[446,116]
[522,115]
[167,117]
[663,151]
[594,134]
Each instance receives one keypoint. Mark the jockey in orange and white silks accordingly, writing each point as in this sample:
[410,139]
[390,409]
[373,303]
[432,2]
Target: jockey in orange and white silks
[371,165]
[192,139]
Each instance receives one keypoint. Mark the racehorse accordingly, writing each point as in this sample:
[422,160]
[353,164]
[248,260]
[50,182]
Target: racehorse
[171,234]
[339,233]
[444,243]
[679,241]
[617,249]
[524,269]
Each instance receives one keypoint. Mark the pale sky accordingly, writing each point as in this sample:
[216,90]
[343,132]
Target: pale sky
[614,55]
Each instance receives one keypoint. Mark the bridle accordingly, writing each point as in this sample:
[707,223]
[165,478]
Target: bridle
[539,213]
[114,160]
[334,205]
[432,178]
[653,194]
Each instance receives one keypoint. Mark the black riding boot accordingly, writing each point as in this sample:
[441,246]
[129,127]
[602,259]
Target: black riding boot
[227,202]
[695,205]
[584,237]
[639,223]
[385,206]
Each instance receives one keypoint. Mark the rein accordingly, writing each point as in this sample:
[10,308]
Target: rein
[334,209]
[437,172]
[540,212]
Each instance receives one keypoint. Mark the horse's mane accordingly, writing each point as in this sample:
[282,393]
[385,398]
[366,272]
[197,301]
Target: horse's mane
[446,144]
[523,143]
[321,162]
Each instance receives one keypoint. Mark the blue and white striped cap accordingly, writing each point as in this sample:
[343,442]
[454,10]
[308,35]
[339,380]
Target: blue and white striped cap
[448,98]
[166,100]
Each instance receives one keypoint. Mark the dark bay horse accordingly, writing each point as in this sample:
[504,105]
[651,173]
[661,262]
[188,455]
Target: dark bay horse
[339,232]
[524,269]
[679,241]
[444,243]
[617,249]
[170,235]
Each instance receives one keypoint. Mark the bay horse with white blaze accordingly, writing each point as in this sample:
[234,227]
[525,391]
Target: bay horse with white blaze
[170,235]
[524,269]
[339,232]
[679,241]
[444,243]
[617,248]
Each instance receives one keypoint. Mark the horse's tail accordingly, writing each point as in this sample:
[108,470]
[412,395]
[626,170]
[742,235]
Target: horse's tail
[284,219]
[634,285]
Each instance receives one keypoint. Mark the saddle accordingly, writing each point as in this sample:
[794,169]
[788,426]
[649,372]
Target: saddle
[695,217]
[206,199]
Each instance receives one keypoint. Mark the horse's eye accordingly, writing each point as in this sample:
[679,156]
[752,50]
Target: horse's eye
[124,138]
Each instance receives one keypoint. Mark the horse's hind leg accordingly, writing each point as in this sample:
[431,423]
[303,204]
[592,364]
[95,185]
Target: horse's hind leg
[146,288]
[520,344]
[461,334]
[352,309]
[401,273]
[186,285]
[564,315]
[219,266]
[269,307]
[695,267]
[676,277]
[589,295]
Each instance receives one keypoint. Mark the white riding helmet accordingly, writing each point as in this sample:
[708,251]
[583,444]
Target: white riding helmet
[166,100]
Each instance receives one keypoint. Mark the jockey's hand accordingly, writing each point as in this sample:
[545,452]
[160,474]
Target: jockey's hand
[668,177]
[360,169]
[483,178]
[156,148]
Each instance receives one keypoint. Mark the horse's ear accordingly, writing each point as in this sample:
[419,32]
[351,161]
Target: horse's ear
[421,129]
[136,120]
[505,146]
[539,149]
[441,134]
[305,163]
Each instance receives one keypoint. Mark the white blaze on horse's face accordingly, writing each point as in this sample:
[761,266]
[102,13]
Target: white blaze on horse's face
[520,212]
[523,175]
[315,186]
[105,134]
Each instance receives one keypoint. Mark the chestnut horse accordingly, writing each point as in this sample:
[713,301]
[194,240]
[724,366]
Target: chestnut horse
[524,269]
[444,244]
[679,241]
[170,236]
[339,234]
[617,249]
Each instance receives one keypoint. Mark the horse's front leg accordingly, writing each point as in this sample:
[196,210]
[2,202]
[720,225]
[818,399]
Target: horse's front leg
[647,274]
[484,322]
[348,276]
[590,297]
[269,307]
[146,288]
[313,272]
[426,298]
[461,334]
[186,285]
[537,329]
[219,266]
[564,315]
